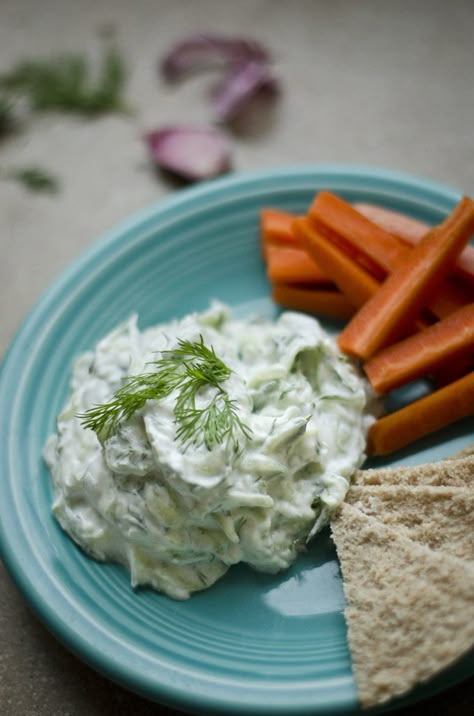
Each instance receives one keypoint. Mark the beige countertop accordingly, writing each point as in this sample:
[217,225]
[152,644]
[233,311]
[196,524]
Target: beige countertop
[376,83]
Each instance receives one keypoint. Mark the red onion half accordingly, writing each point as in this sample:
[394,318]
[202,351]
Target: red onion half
[193,153]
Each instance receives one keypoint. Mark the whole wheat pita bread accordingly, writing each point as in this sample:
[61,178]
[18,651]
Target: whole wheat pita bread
[441,518]
[457,472]
[410,610]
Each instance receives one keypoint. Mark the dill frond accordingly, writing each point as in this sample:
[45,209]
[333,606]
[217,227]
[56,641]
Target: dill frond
[64,83]
[188,369]
[7,121]
[34,179]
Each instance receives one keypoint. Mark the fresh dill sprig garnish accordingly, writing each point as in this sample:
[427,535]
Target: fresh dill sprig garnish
[64,83]
[34,179]
[189,368]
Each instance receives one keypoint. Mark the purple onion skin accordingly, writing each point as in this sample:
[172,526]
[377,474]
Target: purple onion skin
[192,153]
[201,51]
[240,86]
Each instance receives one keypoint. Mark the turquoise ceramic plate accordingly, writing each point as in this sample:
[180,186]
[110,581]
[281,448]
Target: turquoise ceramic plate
[253,644]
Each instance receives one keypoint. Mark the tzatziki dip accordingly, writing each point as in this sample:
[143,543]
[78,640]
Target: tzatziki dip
[178,508]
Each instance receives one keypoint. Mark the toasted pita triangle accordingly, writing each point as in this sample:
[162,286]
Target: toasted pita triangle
[458,472]
[439,517]
[410,611]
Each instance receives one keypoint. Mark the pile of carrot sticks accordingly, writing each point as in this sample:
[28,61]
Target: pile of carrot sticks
[405,290]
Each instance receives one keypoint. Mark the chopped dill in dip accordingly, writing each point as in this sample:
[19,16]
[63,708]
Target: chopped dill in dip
[176,509]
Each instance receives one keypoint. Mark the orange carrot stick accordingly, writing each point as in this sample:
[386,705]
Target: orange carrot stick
[444,342]
[351,279]
[400,298]
[330,212]
[422,417]
[292,264]
[412,231]
[408,230]
[331,304]
[275,226]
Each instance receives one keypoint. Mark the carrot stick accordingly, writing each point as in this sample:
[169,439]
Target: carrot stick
[408,230]
[331,304]
[351,279]
[444,342]
[400,298]
[422,417]
[286,260]
[288,264]
[412,231]
[275,228]
[329,212]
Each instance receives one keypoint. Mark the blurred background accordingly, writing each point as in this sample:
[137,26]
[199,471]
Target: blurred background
[387,84]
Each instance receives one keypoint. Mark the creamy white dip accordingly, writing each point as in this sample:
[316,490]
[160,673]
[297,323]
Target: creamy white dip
[178,516]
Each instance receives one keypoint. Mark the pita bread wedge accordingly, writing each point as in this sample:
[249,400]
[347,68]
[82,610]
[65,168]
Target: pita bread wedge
[456,472]
[441,518]
[410,611]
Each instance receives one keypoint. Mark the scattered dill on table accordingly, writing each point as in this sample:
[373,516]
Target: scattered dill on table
[61,83]
[7,122]
[34,179]
[64,83]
